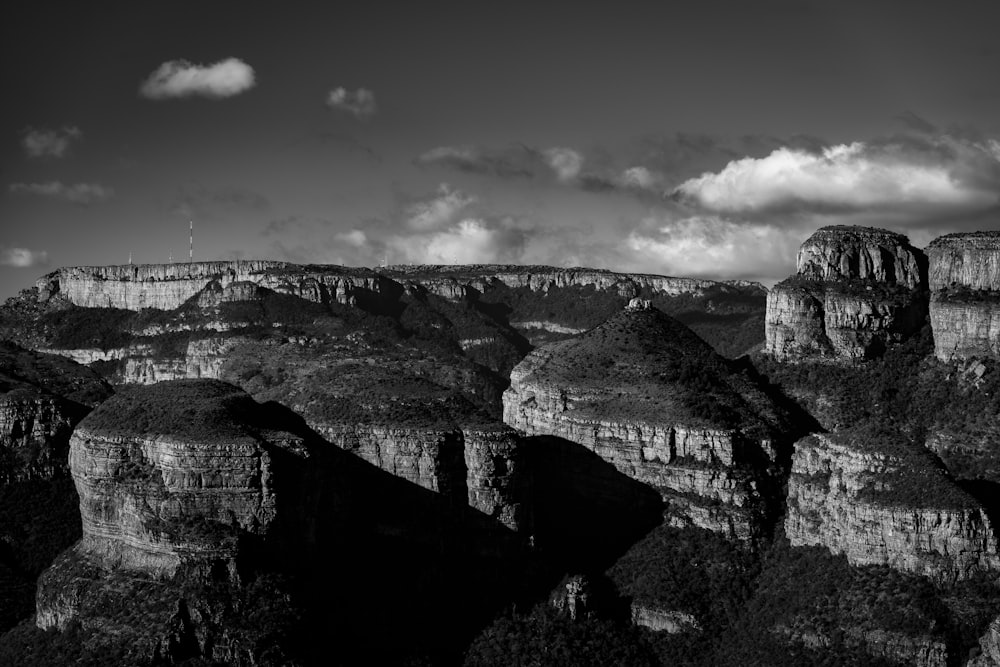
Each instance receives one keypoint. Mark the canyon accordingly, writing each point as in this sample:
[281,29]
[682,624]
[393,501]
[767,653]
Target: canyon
[289,435]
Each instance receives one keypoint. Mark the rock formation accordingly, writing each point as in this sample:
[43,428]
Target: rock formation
[649,397]
[167,286]
[42,397]
[856,291]
[964,278]
[884,502]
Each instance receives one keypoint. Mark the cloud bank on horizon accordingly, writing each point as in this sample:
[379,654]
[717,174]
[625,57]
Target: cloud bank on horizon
[746,218]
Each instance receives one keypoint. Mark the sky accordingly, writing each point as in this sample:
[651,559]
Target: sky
[702,138]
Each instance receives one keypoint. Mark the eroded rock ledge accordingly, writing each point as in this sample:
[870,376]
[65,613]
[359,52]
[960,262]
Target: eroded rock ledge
[880,503]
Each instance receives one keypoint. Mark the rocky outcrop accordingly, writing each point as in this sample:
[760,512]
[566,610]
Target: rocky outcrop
[964,278]
[658,620]
[989,647]
[203,359]
[856,291]
[167,286]
[623,390]
[154,496]
[844,253]
[880,503]
[42,397]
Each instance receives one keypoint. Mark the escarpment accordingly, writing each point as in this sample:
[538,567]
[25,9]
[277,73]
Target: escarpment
[856,291]
[646,395]
[883,501]
[965,295]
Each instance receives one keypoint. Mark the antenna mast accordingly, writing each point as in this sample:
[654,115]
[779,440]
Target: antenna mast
[191,246]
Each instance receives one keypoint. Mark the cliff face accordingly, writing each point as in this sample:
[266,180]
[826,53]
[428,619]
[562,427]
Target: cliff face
[856,291]
[167,286]
[619,390]
[544,278]
[860,253]
[964,277]
[884,507]
[42,397]
[155,501]
[481,466]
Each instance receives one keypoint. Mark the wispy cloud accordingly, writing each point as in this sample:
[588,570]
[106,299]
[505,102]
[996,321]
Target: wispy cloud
[180,78]
[49,143]
[360,102]
[438,210]
[23,258]
[80,193]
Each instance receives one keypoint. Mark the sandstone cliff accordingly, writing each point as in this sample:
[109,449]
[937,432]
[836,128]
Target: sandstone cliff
[856,291]
[167,286]
[646,395]
[964,277]
[880,502]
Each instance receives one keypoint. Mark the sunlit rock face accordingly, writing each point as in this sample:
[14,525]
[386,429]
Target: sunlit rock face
[171,475]
[964,278]
[856,291]
[881,503]
[647,396]
[168,286]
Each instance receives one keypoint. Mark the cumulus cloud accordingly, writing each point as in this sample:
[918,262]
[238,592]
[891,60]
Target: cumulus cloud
[50,143]
[23,258]
[438,210]
[928,176]
[80,193]
[712,247]
[180,78]
[469,241]
[354,237]
[565,162]
[360,103]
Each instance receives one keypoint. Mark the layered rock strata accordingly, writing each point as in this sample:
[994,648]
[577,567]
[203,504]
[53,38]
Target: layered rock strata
[482,466]
[964,278]
[167,286]
[625,390]
[856,291]
[885,506]
[155,496]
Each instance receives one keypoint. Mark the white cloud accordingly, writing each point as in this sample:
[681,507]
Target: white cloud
[470,241]
[180,78]
[360,102]
[439,210]
[714,248]
[23,258]
[50,143]
[80,193]
[943,174]
[354,237]
[565,162]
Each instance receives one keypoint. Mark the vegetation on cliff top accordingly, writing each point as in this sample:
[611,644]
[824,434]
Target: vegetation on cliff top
[647,366]
[196,410]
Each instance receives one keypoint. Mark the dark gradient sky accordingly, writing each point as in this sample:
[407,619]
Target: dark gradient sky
[684,138]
